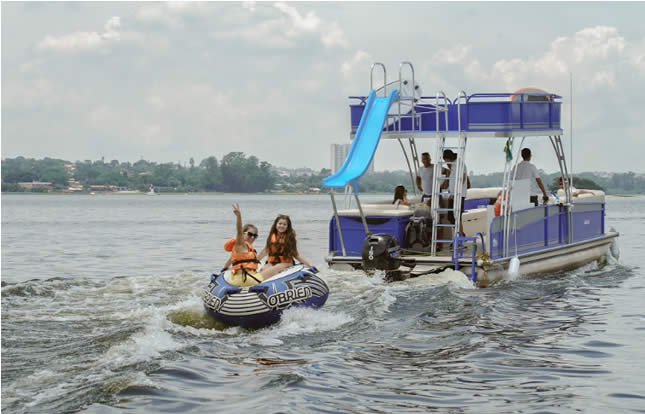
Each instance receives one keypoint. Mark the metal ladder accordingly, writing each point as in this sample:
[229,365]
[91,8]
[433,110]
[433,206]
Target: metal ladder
[439,163]
[458,253]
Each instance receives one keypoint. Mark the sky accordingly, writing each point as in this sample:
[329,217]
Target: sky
[169,81]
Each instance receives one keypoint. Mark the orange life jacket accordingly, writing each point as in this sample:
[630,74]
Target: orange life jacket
[230,243]
[498,205]
[246,261]
[278,250]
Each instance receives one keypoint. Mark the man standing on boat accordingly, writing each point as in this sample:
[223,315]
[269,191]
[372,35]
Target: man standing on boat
[424,177]
[525,170]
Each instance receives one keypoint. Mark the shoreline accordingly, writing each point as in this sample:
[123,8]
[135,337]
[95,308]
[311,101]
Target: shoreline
[116,193]
[200,193]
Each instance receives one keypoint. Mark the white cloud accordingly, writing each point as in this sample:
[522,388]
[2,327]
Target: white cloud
[171,14]
[83,41]
[249,5]
[285,30]
[359,59]
[198,100]
[35,94]
[639,61]
[474,71]
[159,14]
[309,85]
[511,72]
[457,54]
[308,23]
[593,54]
[102,116]
[112,24]
[597,42]
[156,102]
[184,7]
[73,41]
[151,131]
[333,35]
[604,78]
[269,33]
[31,66]
[637,57]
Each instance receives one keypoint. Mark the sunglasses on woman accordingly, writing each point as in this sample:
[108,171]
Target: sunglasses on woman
[254,235]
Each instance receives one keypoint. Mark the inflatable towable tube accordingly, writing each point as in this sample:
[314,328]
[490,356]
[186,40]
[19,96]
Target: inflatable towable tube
[262,304]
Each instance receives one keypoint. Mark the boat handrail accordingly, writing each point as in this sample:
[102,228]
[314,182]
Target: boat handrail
[458,252]
[401,97]
[507,95]
[461,159]
[384,77]
[556,142]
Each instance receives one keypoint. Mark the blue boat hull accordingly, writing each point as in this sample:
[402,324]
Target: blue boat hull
[262,305]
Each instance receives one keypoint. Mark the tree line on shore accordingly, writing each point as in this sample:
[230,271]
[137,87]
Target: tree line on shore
[239,173]
[235,173]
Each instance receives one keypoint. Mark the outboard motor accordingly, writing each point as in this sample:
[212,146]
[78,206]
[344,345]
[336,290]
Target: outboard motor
[418,232]
[381,251]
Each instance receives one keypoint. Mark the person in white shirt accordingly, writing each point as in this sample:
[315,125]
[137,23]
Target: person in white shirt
[424,177]
[527,171]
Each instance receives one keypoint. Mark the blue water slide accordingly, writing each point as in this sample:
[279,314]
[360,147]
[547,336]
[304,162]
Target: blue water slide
[365,141]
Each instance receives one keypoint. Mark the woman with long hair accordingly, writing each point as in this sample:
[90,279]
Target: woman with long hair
[281,248]
[401,195]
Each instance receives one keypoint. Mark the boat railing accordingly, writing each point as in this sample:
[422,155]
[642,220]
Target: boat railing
[542,227]
[458,252]
[379,64]
[522,110]
[482,113]
[409,99]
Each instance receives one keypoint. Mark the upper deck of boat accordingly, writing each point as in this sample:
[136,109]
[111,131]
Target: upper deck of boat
[477,115]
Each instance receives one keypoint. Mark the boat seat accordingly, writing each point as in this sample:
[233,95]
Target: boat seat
[376,210]
[475,221]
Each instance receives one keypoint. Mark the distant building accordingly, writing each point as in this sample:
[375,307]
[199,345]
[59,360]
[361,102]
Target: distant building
[73,185]
[37,185]
[97,187]
[303,172]
[338,154]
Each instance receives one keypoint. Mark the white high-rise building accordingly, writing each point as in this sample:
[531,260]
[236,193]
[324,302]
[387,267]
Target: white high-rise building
[339,153]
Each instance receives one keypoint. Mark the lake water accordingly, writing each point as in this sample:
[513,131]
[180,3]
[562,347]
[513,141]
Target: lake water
[101,313]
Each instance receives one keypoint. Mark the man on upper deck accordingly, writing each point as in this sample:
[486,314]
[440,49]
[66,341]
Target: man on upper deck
[526,170]
[424,177]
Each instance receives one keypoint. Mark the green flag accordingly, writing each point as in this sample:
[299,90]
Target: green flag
[507,150]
